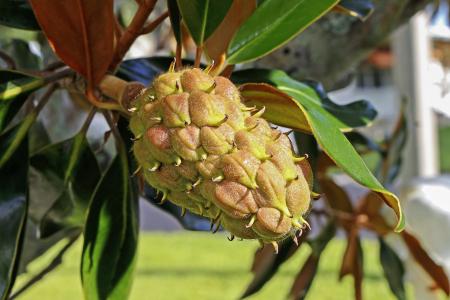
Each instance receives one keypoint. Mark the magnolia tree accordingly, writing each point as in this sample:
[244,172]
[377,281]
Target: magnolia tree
[199,126]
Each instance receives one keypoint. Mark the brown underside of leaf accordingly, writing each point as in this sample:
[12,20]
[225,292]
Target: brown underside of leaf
[218,42]
[351,262]
[304,277]
[435,271]
[81,32]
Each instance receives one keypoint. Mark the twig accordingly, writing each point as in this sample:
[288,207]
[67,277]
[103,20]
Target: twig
[54,65]
[152,25]
[118,29]
[8,60]
[132,31]
[53,264]
[55,76]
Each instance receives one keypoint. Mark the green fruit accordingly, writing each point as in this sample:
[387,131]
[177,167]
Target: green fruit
[198,144]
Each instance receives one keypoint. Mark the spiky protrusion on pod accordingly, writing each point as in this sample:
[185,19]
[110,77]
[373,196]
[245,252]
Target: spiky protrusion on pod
[213,156]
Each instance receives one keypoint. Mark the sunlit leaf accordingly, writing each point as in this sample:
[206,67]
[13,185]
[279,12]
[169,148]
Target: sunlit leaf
[110,235]
[81,32]
[324,126]
[273,24]
[354,114]
[203,16]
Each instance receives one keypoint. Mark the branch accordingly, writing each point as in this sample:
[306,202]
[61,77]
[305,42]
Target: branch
[152,25]
[132,31]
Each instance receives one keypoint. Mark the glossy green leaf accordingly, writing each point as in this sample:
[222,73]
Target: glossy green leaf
[38,137]
[326,130]
[393,270]
[110,235]
[203,16]
[354,114]
[15,88]
[71,168]
[273,24]
[17,14]
[175,18]
[361,9]
[13,214]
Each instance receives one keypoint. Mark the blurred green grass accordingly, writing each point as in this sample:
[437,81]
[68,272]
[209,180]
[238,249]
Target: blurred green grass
[195,265]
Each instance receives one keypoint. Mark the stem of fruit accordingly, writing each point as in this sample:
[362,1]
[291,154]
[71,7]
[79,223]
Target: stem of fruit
[132,32]
[120,90]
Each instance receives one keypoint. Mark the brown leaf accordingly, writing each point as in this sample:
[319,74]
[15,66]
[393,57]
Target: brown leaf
[369,207]
[352,261]
[266,263]
[323,164]
[337,197]
[304,278]
[218,42]
[281,109]
[81,32]
[339,201]
[435,271]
